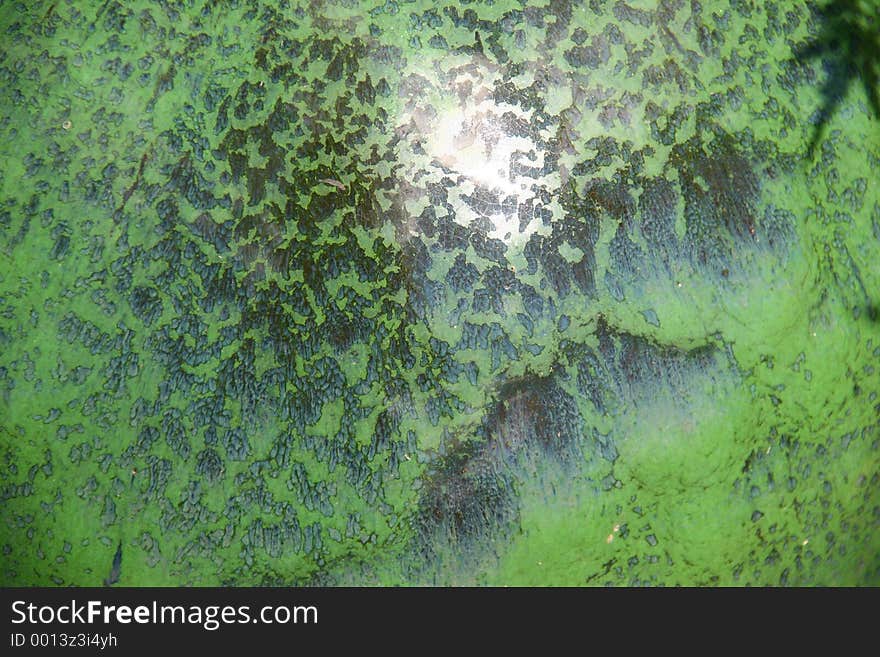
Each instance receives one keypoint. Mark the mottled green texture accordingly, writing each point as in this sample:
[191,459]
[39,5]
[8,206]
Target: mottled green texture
[270,314]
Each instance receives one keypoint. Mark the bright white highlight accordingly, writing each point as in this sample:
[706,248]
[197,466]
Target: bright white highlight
[471,141]
[484,145]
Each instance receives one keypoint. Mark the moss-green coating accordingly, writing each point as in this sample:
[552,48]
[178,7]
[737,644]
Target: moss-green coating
[405,292]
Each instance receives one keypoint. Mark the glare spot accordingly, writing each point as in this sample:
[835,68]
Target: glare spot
[485,145]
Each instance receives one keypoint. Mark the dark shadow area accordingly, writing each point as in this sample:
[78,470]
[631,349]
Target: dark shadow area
[470,493]
[869,312]
[849,37]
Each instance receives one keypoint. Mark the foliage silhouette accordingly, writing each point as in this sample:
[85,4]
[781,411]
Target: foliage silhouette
[850,37]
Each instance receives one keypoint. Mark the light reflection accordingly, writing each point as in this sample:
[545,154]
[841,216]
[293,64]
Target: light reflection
[485,146]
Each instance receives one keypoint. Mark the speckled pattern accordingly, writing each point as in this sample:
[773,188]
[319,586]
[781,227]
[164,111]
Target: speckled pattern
[406,292]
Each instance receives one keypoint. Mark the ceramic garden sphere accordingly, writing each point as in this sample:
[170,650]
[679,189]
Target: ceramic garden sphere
[406,292]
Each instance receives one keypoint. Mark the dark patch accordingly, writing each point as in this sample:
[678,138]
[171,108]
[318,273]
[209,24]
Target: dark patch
[469,495]
[720,190]
[116,568]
